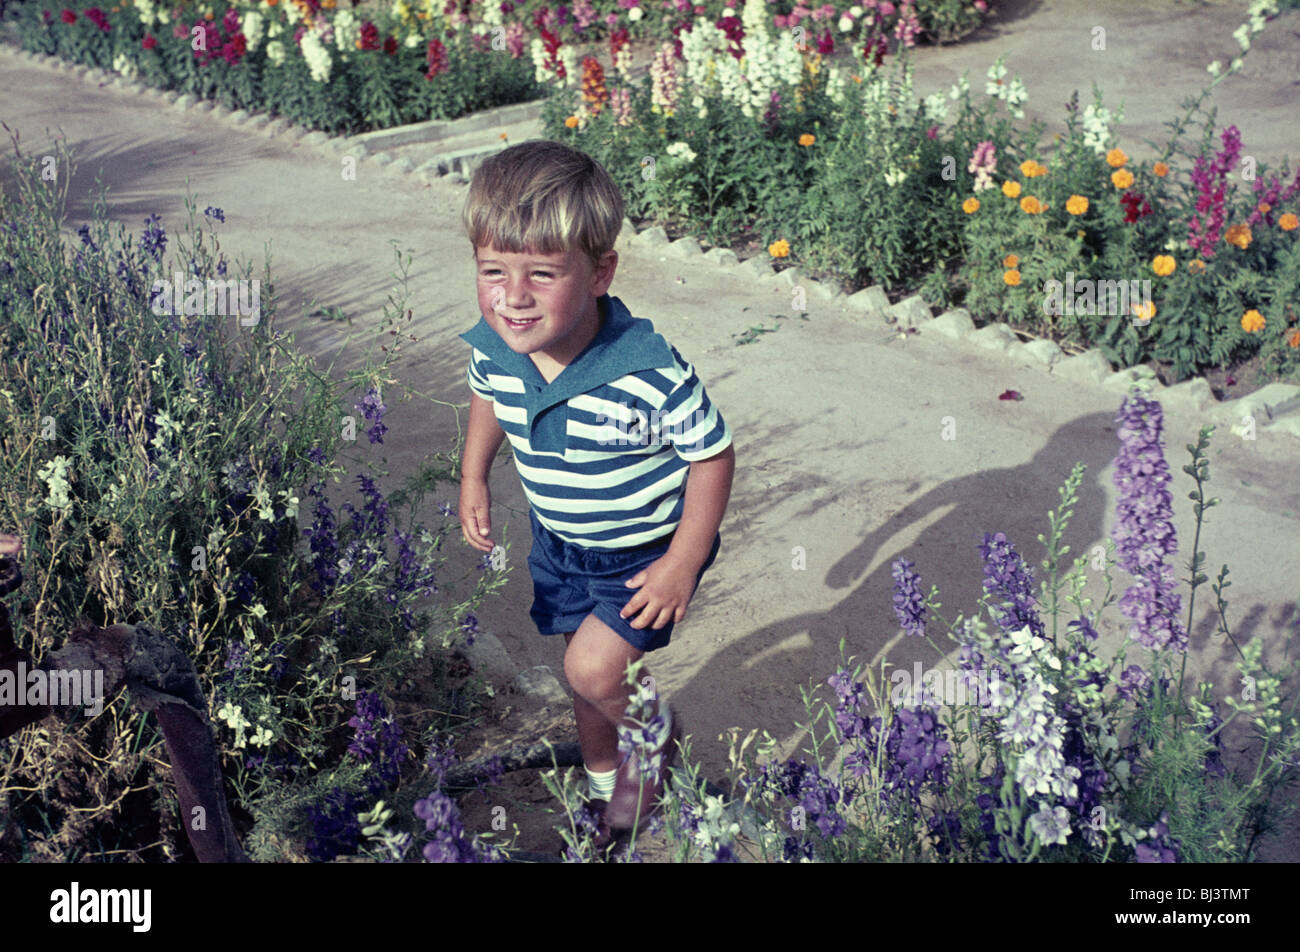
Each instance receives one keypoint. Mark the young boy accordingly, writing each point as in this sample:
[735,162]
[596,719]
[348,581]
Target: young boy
[626,463]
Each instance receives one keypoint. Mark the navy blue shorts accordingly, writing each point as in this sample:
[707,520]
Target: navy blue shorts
[571,582]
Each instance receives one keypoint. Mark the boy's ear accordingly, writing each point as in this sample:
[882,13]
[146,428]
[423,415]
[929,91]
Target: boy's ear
[604,273]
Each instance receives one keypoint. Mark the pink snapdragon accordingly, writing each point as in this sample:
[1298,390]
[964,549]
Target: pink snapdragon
[983,163]
[1210,179]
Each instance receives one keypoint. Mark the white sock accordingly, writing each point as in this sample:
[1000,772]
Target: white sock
[600,786]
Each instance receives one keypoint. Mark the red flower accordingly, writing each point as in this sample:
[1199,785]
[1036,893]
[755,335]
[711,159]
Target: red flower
[97,17]
[234,50]
[437,59]
[1135,206]
[67,16]
[148,42]
[369,36]
[390,45]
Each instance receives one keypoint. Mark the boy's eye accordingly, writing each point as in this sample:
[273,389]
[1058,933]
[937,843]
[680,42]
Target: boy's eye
[545,274]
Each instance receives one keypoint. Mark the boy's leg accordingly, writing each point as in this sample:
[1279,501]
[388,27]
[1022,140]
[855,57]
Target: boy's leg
[595,662]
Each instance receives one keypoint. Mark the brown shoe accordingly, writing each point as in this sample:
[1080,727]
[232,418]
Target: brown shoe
[635,800]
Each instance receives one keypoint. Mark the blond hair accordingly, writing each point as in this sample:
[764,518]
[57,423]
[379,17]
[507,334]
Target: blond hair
[543,197]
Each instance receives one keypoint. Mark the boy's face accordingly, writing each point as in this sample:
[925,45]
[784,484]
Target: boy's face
[557,292]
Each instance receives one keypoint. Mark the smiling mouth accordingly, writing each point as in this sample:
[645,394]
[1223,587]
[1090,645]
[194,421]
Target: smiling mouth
[525,323]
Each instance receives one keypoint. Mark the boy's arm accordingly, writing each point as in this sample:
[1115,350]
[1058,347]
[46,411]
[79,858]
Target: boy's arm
[482,440]
[708,488]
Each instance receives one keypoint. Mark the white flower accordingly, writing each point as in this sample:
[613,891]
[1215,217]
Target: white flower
[682,151]
[1242,36]
[55,475]
[317,56]
[960,89]
[856,11]
[233,716]
[995,86]
[635,14]
[262,737]
[1214,68]
[251,27]
[275,52]
[412,41]
[1235,65]
[258,610]
[936,107]
[122,64]
[290,504]
[347,30]
[1051,826]
[1016,94]
[846,24]
[894,177]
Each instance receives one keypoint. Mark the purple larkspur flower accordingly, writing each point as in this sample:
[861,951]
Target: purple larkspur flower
[909,603]
[470,627]
[1133,681]
[1160,847]
[153,241]
[212,211]
[372,407]
[1007,576]
[1144,534]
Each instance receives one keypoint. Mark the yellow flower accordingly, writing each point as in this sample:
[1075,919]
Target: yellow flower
[1031,206]
[1265,208]
[1122,178]
[503,135]
[1011,277]
[209,15]
[1010,189]
[807,139]
[1160,170]
[779,249]
[1252,321]
[1195,266]
[328,4]
[1238,235]
[1145,312]
[1163,265]
[1076,205]
[1031,169]
[1010,261]
[571,122]
[1288,222]
[1116,158]
[970,206]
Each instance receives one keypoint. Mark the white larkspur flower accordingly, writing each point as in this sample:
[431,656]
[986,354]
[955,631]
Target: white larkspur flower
[1051,826]
[936,107]
[960,89]
[1242,36]
[122,64]
[261,737]
[1215,68]
[275,52]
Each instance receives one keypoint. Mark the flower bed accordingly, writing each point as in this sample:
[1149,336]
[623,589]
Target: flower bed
[186,489]
[1034,745]
[344,70]
[849,174]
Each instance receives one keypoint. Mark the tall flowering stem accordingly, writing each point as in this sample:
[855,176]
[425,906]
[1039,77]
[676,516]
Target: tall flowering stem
[1145,533]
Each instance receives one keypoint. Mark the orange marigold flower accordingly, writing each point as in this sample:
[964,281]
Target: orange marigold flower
[1288,222]
[1145,311]
[1121,178]
[1252,321]
[970,206]
[1160,170]
[1010,189]
[807,139]
[1265,208]
[209,15]
[1238,235]
[1010,261]
[1076,205]
[1031,206]
[1195,266]
[857,79]
[779,249]
[1163,265]
[1294,339]
[571,122]
[1031,169]
[1011,277]
[1116,158]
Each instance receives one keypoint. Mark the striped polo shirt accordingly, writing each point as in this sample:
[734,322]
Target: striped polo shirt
[604,449]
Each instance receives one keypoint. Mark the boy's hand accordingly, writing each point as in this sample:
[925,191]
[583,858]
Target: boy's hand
[665,587]
[475,513]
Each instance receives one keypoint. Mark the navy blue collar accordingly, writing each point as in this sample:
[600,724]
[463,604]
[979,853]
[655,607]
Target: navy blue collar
[623,345]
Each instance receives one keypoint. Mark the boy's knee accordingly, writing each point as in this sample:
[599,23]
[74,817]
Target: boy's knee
[588,677]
